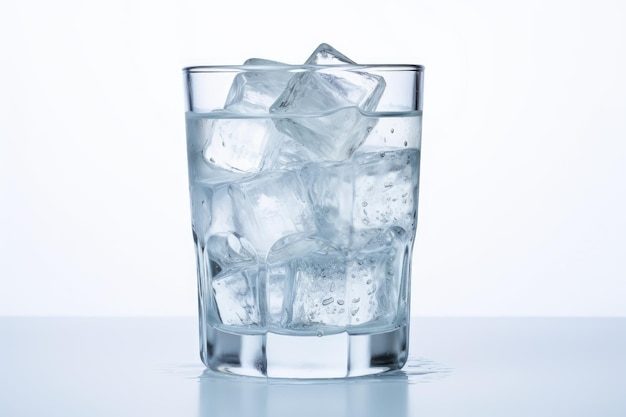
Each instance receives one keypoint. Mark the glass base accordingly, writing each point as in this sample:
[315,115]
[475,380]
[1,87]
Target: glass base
[287,356]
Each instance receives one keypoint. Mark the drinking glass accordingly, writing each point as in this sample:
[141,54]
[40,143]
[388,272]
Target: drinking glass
[304,190]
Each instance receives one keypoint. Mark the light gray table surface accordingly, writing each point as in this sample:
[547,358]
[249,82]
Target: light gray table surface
[457,367]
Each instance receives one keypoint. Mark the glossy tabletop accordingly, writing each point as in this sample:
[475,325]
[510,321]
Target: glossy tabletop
[457,367]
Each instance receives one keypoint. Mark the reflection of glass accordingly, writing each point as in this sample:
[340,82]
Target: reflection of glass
[304,214]
[375,396]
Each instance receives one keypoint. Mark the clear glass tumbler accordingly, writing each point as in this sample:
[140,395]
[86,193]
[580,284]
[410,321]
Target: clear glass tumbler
[304,189]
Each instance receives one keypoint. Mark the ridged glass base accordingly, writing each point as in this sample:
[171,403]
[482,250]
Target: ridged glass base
[288,356]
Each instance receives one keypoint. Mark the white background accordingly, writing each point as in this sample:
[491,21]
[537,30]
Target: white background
[522,196]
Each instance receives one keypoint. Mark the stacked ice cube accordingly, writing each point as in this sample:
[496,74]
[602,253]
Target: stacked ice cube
[301,228]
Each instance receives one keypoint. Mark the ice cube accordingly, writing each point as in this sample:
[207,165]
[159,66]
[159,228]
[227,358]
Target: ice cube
[330,190]
[235,296]
[236,140]
[337,93]
[212,210]
[320,291]
[385,190]
[241,144]
[306,283]
[199,130]
[279,276]
[255,91]
[297,245]
[270,206]
[230,250]
[375,274]
[327,55]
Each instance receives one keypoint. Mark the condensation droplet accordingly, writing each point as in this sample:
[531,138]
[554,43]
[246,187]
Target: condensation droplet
[319,333]
[369,281]
[354,310]
[327,301]
[392,130]
[340,302]
[364,204]
[406,143]
[356,300]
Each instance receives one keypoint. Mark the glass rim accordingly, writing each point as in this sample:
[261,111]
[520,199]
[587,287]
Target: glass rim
[200,69]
